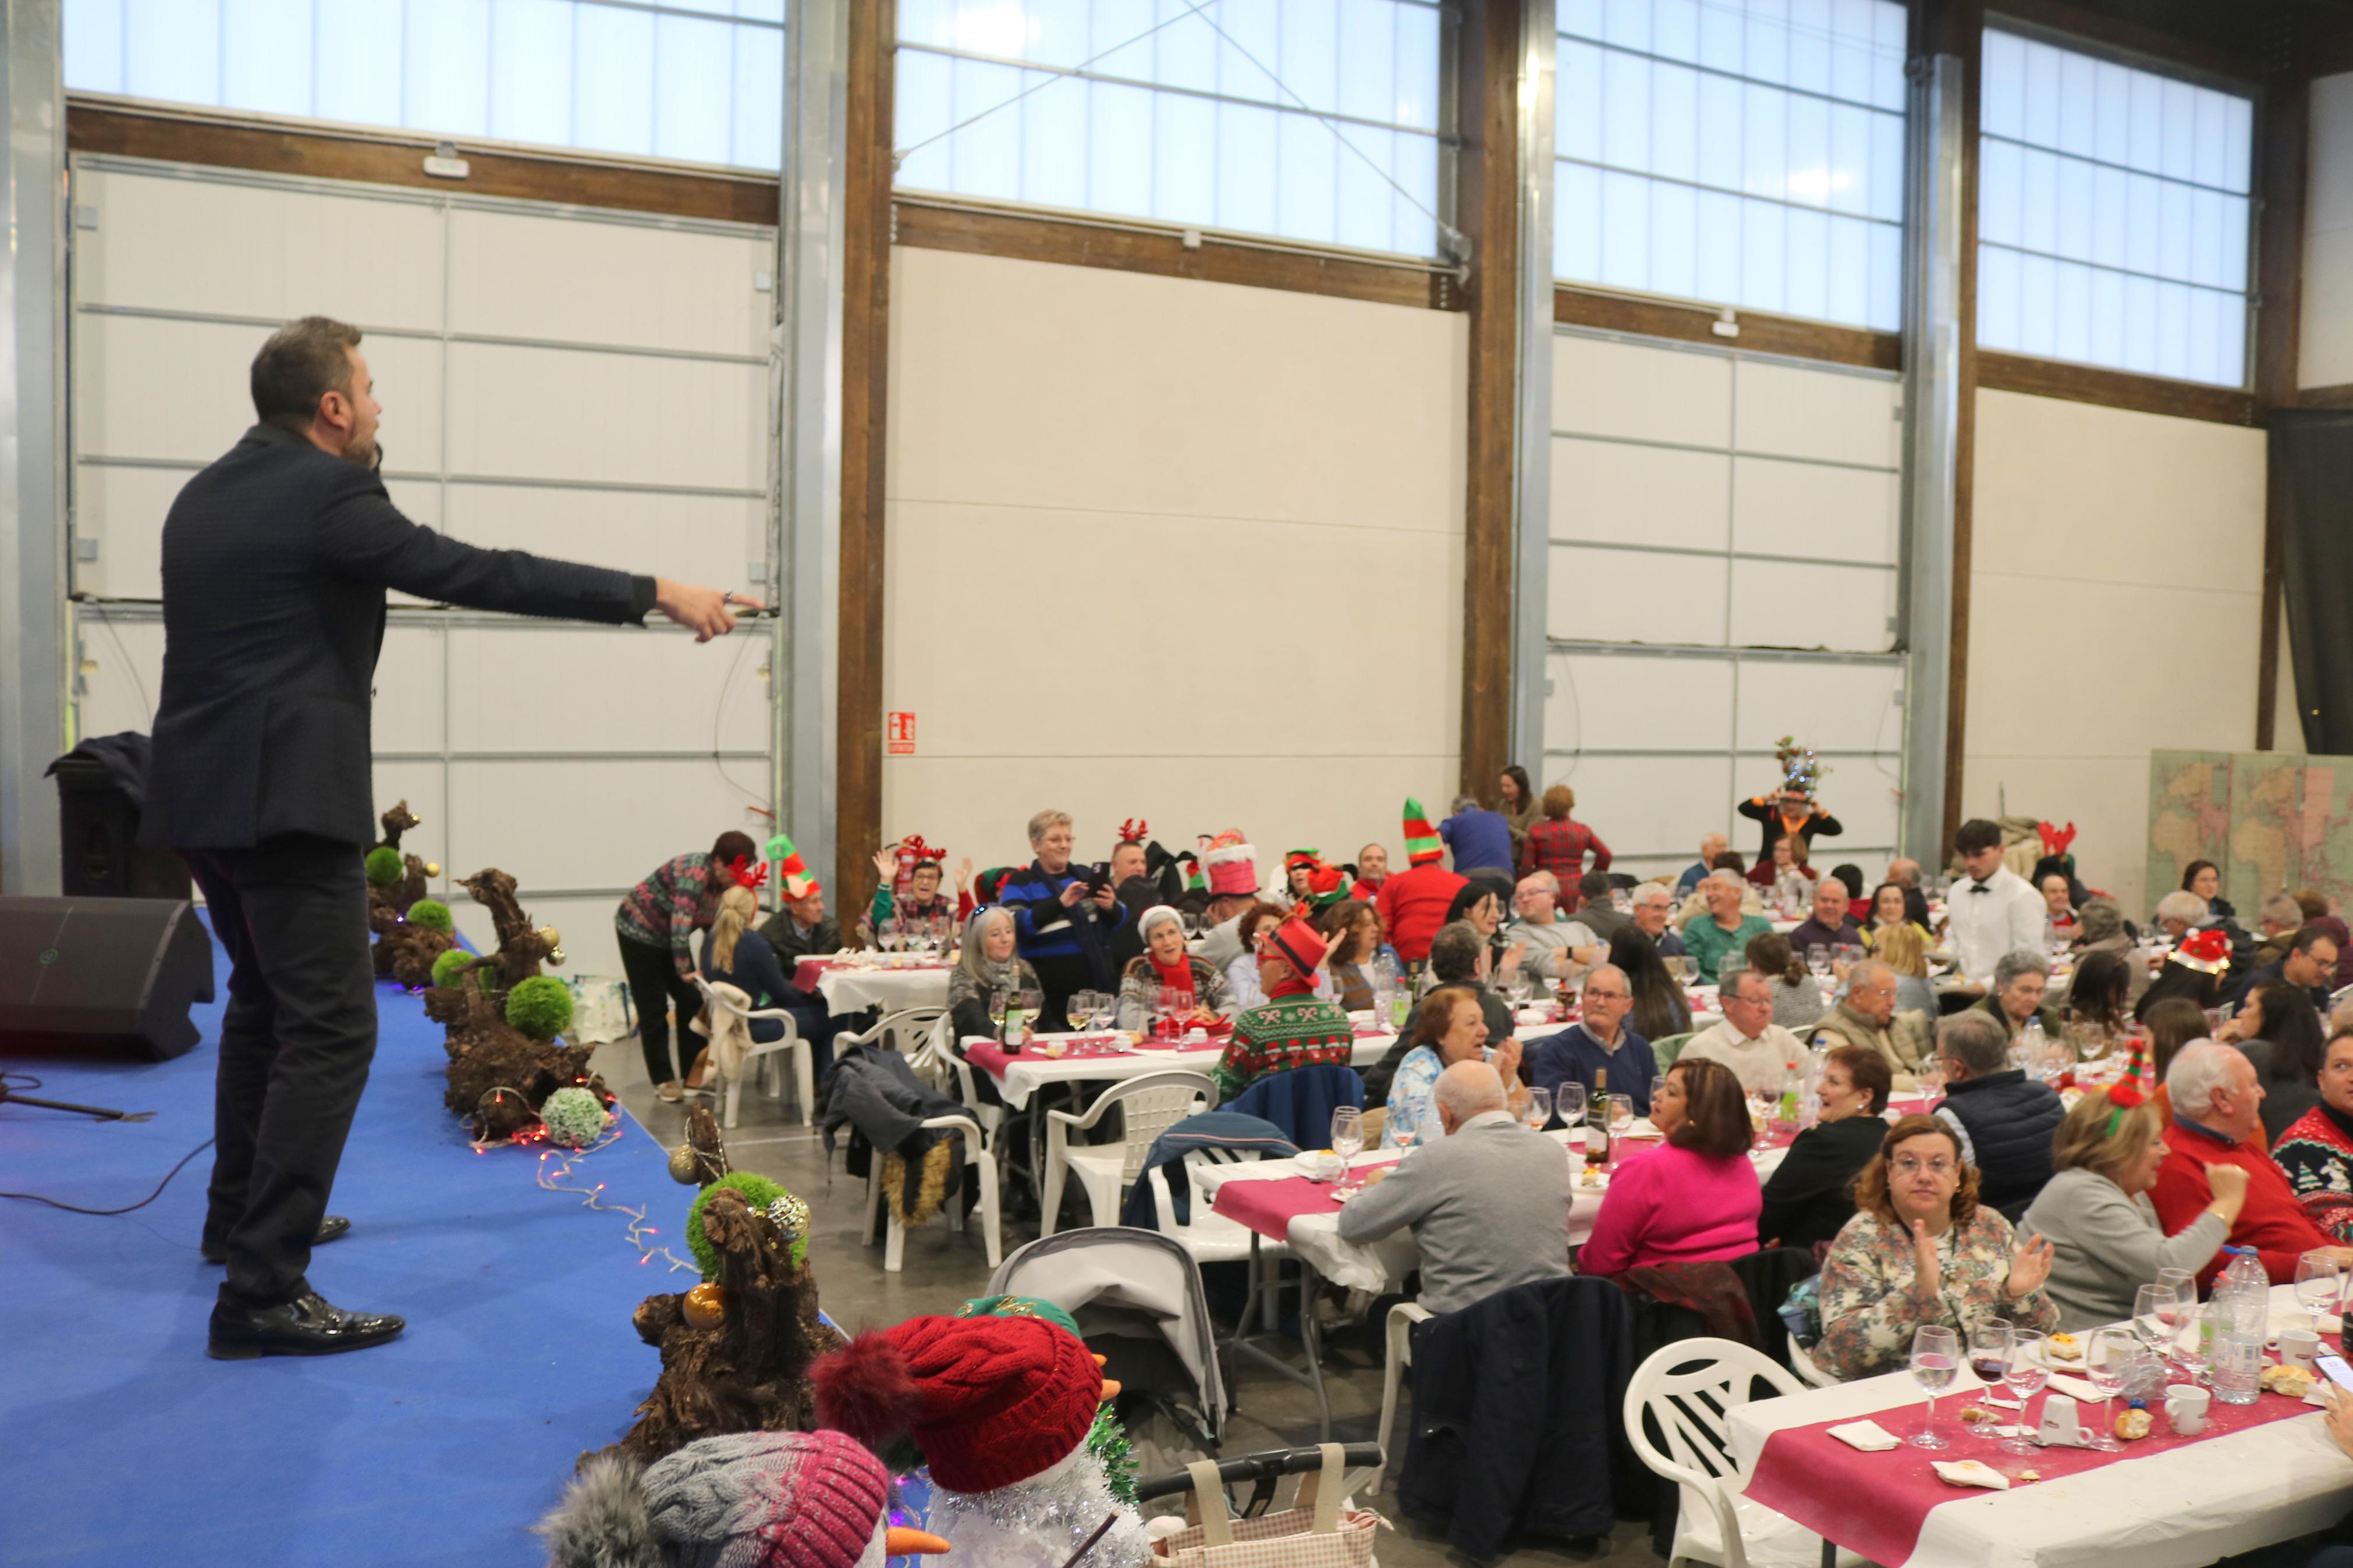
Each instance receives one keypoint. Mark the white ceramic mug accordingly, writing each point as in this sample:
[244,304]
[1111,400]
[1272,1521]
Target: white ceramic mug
[2186,1408]
[2297,1347]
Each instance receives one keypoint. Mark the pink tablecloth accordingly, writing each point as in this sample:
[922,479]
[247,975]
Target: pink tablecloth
[1875,1504]
[994,1058]
[1269,1207]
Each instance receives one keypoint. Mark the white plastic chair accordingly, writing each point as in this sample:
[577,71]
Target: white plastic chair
[755,1060]
[1403,1316]
[905,1031]
[1149,1106]
[1807,1373]
[979,1165]
[1687,1391]
[943,1044]
[1208,1236]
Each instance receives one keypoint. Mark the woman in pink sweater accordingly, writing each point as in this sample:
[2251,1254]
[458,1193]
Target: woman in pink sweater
[1694,1199]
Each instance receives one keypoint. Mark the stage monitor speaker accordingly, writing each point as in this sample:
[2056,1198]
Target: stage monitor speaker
[96,974]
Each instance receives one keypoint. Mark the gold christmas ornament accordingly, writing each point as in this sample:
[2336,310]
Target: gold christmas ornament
[705,1306]
[433,868]
[791,1216]
[683,1169]
[550,935]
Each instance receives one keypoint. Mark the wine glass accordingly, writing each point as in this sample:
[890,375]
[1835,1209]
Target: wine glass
[1405,1121]
[1347,1141]
[1191,923]
[1658,1085]
[1074,1011]
[2026,1377]
[1989,1343]
[2106,1360]
[886,933]
[2317,1283]
[1569,1100]
[1031,1001]
[1936,1361]
[1619,1119]
[1929,1078]
[1538,1111]
[1817,963]
[1761,1102]
[999,1001]
[2156,1317]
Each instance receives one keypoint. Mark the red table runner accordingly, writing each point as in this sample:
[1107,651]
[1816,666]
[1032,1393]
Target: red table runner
[1268,1207]
[1875,1504]
[996,1058]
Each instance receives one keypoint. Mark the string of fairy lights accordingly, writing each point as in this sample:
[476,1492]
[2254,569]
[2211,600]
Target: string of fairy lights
[554,1172]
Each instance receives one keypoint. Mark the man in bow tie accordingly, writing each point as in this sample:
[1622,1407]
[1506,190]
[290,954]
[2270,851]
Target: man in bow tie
[1994,910]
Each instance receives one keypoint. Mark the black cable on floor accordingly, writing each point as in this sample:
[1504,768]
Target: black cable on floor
[143,1203]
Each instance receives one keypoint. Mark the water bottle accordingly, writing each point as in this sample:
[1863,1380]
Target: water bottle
[2250,1291]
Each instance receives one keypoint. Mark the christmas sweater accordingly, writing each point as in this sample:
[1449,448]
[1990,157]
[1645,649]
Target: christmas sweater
[2317,1152]
[1294,1030]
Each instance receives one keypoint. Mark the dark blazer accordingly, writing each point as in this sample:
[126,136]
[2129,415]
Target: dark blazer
[275,562]
[1810,1197]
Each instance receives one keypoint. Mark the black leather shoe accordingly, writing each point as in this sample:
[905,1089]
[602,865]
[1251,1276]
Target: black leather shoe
[334,1228]
[307,1325]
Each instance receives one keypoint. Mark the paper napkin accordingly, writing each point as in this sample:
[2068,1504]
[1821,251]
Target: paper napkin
[1970,1473]
[1868,1436]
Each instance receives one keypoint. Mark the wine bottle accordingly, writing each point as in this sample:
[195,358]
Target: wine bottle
[1597,1120]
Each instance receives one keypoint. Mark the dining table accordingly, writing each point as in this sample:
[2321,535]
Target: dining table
[852,981]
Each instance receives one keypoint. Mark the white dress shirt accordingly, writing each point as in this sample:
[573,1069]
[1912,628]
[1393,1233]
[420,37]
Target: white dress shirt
[1982,926]
[1761,1062]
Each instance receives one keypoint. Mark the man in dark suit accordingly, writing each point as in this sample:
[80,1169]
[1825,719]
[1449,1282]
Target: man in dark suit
[276,559]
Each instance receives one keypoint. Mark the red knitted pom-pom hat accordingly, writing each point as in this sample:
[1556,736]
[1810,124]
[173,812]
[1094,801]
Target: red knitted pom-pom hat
[990,1401]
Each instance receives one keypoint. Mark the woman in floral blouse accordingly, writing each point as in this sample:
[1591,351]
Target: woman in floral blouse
[1919,1251]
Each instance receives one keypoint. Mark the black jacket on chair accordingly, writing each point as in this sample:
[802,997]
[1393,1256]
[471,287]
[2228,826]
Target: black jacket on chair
[1516,1408]
[276,559]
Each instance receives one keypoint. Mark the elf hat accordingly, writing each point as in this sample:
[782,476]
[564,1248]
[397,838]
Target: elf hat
[796,888]
[1422,846]
[1294,858]
[991,1401]
[1298,946]
[1328,886]
[1232,866]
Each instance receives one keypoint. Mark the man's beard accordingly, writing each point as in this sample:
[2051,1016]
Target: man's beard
[367,454]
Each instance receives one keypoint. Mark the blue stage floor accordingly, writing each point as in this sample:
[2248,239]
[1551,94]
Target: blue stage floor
[121,1442]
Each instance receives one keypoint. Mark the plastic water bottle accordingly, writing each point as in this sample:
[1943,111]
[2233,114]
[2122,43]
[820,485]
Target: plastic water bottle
[2242,1296]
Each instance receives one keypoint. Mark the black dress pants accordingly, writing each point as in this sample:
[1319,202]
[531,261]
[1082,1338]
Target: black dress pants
[654,983]
[296,1038]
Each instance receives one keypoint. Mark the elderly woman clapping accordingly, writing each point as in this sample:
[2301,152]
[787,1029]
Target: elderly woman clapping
[1189,987]
[1922,1250]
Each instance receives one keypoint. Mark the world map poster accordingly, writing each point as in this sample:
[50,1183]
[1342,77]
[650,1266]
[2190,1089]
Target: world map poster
[2267,820]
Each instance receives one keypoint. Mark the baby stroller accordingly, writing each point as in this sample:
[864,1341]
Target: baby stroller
[1138,1297]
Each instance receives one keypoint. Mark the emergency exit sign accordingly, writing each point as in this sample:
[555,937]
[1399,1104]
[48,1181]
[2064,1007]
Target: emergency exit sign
[899,731]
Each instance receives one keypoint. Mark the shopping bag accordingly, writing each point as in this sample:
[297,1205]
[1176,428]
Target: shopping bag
[1314,1532]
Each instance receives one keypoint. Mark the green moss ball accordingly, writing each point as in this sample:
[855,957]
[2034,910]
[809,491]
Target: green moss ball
[432,912]
[540,1007]
[446,968]
[575,1118]
[758,1191]
[384,865]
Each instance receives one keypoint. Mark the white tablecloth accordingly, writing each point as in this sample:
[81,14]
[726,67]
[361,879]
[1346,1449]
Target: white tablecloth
[1027,1072]
[2172,1510]
[855,989]
[1382,1265]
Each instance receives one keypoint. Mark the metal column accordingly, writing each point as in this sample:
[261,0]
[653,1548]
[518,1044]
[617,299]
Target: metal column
[1931,356]
[805,547]
[1532,456]
[34,637]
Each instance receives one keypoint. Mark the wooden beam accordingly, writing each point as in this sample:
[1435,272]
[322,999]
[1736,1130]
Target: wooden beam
[1487,211]
[1071,242]
[2324,397]
[2284,129]
[395,159]
[1956,28]
[2117,389]
[1759,333]
[865,389]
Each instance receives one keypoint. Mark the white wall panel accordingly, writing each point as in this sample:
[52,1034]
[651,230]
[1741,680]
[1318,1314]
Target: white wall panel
[519,274]
[586,824]
[1860,791]
[1633,700]
[1179,476]
[1829,416]
[1631,595]
[1635,392]
[1835,707]
[408,685]
[1647,805]
[651,691]
[153,387]
[1785,603]
[1810,508]
[121,674]
[695,539]
[420,784]
[221,247]
[1660,495]
[2325,356]
[591,947]
[562,414]
[1081,389]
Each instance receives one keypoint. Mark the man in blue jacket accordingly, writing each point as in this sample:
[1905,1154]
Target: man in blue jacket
[1063,920]
[1482,842]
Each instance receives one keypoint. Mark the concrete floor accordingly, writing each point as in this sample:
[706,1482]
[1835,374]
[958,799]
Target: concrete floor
[943,1270]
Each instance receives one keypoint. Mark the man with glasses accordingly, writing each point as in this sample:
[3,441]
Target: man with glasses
[1865,1019]
[1559,948]
[1654,914]
[1760,1052]
[2005,1119]
[1602,1040]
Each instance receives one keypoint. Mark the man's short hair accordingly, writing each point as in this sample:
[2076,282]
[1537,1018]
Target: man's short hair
[1870,971]
[2283,911]
[1594,885]
[1904,869]
[1545,880]
[2019,962]
[1045,819]
[1740,979]
[1976,1040]
[1726,879]
[301,362]
[1467,1088]
[1454,952]
[2307,937]
[1463,802]
[2181,905]
[2199,1068]
[1977,835]
[1598,970]
[1649,890]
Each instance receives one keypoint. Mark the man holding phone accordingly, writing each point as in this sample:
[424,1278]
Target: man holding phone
[1064,918]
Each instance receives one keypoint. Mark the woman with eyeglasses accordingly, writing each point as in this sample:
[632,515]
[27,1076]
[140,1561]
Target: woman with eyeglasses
[1922,1250]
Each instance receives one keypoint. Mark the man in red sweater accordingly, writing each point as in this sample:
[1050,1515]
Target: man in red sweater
[2216,1120]
[1412,904]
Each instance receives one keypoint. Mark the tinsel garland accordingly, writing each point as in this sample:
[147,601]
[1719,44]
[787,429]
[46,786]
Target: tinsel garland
[1107,1441]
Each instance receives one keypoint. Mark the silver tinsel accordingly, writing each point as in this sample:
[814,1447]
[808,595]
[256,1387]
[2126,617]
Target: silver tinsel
[1038,1522]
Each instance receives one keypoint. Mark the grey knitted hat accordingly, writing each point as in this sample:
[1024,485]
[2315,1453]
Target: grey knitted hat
[753,1500]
